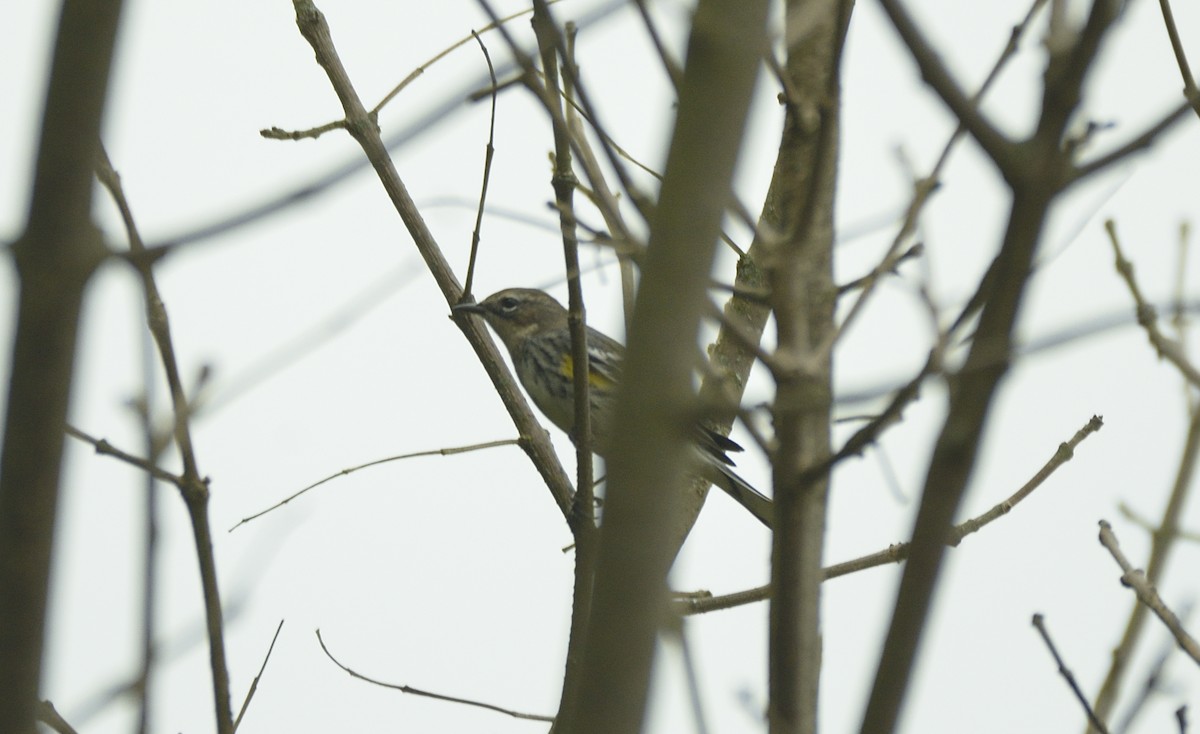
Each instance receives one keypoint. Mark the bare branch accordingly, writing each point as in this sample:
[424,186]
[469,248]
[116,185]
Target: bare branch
[1162,541]
[1144,523]
[895,553]
[429,694]
[104,448]
[193,487]
[924,188]
[1147,318]
[488,154]
[275,133]
[399,457]
[312,25]
[1147,594]
[1185,70]
[1138,143]
[1065,452]
[254,683]
[564,183]
[1040,623]
[1002,151]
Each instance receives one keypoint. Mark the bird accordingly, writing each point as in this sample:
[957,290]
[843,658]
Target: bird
[533,326]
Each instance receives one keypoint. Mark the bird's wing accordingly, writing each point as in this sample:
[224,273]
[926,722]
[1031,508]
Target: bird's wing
[604,357]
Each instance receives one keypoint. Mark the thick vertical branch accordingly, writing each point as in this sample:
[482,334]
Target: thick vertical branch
[654,412]
[1037,171]
[55,257]
[971,394]
[803,295]
[582,519]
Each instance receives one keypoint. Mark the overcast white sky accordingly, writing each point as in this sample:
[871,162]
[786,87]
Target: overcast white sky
[448,574]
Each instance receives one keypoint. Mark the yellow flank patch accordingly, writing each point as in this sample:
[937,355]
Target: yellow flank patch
[595,379]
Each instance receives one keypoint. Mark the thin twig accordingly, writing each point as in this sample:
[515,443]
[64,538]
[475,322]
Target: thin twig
[448,102]
[868,434]
[193,487]
[615,160]
[150,558]
[1144,523]
[276,133]
[438,57]
[1065,452]
[564,183]
[672,67]
[1068,676]
[1179,314]
[311,133]
[898,552]
[1137,143]
[924,188]
[888,265]
[1031,346]
[1002,151]
[1147,593]
[428,694]
[1189,82]
[104,448]
[350,470]
[604,200]
[257,678]
[488,153]
[1147,318]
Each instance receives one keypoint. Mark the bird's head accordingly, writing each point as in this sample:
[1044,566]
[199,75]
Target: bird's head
[516,314]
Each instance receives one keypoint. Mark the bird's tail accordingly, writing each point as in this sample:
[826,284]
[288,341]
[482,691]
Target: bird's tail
[755,502]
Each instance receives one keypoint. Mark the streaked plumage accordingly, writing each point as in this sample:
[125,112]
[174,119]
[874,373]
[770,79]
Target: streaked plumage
[533,327]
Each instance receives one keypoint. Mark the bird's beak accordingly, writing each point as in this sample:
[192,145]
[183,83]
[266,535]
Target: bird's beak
[470,307]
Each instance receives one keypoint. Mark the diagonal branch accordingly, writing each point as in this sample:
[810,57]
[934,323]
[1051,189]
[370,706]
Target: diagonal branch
[1161,544]
[1138,143]
[534,439]
[1039,622]
[898,552]
[1147,318]
[1185,70]
[1147,594]
[1000,149]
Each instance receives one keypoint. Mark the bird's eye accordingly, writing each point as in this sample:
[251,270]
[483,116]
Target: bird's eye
[508,303]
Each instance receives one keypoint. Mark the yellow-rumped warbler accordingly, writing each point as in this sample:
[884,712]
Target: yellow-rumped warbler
[533,326]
